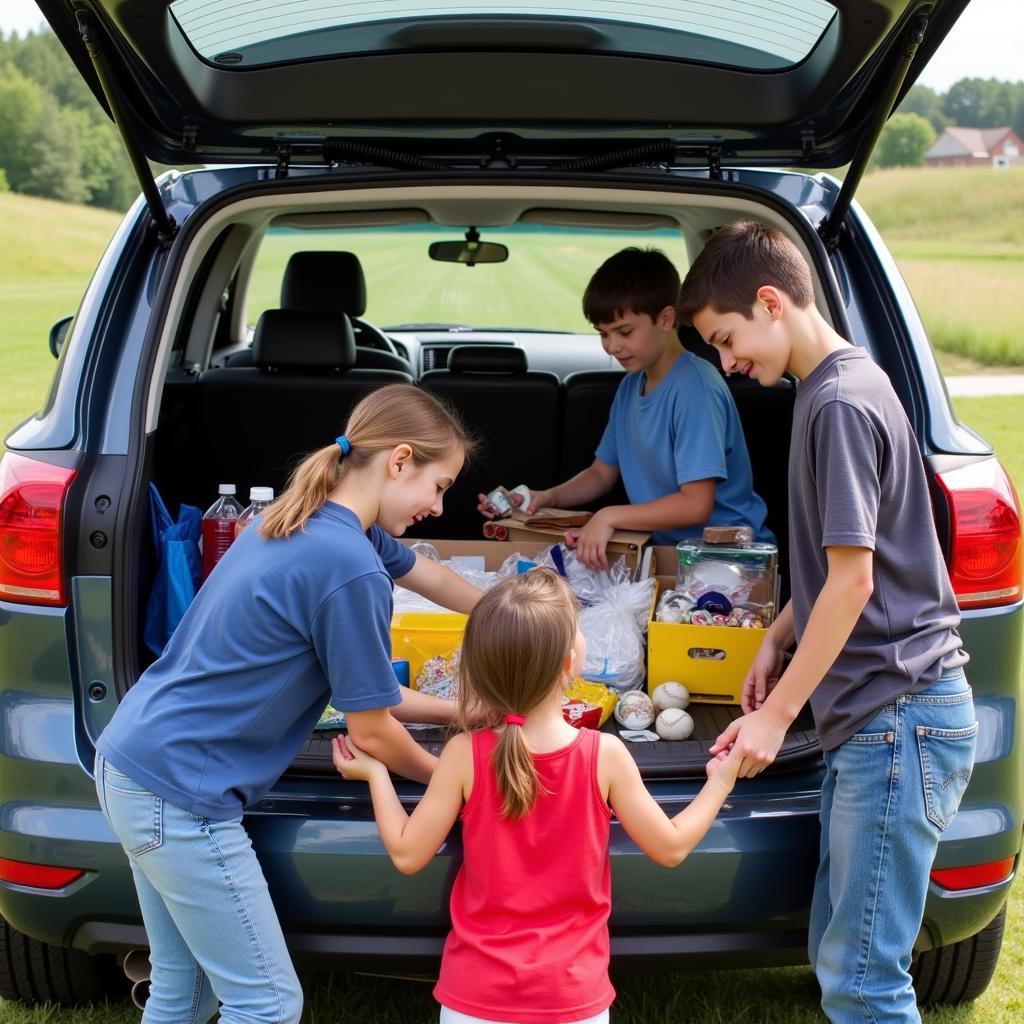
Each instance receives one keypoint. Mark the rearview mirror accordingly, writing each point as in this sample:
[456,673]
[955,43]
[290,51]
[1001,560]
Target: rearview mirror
[58,332]
[469,252]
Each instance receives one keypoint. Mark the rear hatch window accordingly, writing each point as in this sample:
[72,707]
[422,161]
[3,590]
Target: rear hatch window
[765,35]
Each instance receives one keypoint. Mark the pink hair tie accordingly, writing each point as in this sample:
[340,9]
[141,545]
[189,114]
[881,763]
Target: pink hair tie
[514,720]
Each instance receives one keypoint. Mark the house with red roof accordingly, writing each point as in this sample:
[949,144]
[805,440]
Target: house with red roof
[976,147]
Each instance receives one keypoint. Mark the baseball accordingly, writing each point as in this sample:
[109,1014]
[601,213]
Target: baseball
[670,695]
[635,710]
[674,724]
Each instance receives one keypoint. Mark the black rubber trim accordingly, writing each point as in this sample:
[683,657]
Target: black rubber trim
[661,760]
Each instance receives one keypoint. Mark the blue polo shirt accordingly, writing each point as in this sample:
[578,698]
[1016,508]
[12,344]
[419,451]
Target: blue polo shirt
[278,629]
[685,429]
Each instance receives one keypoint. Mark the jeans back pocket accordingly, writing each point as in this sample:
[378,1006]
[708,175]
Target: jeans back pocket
[947,758]
[135,814]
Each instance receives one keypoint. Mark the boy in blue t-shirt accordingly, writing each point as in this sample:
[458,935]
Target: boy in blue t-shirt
[673,433]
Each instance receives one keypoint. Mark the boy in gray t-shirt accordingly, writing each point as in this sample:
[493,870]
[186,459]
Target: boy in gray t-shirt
[872,613]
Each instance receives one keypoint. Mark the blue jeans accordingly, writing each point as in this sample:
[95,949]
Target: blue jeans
[213,933]
[889,792]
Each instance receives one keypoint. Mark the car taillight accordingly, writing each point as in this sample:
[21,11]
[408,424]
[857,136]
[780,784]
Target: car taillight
[40,876]
[986,555]
[973,876]
[31,509]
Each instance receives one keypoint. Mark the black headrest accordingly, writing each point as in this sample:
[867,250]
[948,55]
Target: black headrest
[303,339]
[487,359]
[324,280]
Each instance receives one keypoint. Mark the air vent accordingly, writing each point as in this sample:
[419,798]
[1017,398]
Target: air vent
[435,357]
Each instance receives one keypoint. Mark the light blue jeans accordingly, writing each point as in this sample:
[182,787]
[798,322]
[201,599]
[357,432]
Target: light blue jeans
[889,792]
[213,933]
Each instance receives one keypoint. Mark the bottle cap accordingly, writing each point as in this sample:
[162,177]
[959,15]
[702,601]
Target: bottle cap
[261,493]
[226,489]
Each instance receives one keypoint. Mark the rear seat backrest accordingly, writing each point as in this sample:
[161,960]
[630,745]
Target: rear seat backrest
[766,415]
[586,405]
[514,413]
[257,422]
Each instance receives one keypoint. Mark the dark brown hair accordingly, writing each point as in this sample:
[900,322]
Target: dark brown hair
[737,260]
[382,420]
[632,281]
[514,649]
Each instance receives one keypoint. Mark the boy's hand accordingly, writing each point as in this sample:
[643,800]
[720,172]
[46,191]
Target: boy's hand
[591,542]
[352,762]
[755,738]
[763,675]
[540,499]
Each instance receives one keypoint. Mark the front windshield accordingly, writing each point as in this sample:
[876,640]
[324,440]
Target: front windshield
[539,287]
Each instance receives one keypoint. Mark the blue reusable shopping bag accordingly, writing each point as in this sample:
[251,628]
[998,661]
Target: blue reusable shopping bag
[179,569]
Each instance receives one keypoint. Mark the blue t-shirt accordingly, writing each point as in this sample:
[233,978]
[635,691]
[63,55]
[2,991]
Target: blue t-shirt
[686,429]
[278,629]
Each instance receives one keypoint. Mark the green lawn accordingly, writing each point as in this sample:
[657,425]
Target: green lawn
[48,250]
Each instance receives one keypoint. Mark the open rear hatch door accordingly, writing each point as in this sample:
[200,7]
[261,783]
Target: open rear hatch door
[758,82]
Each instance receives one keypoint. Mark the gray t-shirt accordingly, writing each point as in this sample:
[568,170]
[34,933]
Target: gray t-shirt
[856,479]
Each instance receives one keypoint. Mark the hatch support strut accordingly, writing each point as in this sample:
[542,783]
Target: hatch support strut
[832,226]
[162,220]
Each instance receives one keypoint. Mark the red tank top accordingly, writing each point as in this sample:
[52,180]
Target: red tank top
[530,904]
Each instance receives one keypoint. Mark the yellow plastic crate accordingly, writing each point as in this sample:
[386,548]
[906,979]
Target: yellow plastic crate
[418,636]
[678,652]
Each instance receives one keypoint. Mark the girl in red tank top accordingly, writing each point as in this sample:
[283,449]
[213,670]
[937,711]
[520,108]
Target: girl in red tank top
[530,905]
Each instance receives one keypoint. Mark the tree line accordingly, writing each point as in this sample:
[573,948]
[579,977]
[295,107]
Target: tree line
[56,141]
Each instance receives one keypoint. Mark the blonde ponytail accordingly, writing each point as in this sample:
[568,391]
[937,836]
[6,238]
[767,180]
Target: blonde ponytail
[382,420]
[514,649]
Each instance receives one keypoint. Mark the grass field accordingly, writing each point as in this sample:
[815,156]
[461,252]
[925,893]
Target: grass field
[958,236]
[953,247]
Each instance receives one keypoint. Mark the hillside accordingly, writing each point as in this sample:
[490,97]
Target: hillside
[46,238]
[48,251]
[947,213]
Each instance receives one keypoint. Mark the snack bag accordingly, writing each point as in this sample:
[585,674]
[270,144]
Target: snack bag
[588,705]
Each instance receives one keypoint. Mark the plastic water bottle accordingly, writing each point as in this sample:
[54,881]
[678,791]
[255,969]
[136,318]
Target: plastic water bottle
[218,525]
[259,499]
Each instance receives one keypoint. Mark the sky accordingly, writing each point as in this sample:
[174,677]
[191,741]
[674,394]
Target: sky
[987,41]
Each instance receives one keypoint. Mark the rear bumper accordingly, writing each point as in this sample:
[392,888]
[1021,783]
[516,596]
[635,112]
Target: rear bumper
[740,900]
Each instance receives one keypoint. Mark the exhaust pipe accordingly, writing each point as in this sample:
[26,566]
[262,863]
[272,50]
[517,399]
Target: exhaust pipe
[137,970]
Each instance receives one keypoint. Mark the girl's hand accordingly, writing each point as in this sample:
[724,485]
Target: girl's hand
[723,767]
[353,763]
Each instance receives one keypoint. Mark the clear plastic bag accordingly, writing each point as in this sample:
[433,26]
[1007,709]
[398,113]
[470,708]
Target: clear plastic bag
[589,585]
[614,628]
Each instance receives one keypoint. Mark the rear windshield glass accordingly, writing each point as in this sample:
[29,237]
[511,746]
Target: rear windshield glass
[754,34]
[539,287]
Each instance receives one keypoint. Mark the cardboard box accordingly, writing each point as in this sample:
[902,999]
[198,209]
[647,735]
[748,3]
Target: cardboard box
[623,543]
[681,652]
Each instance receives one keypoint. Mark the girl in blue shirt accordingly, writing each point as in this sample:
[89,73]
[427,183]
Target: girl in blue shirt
[297,613]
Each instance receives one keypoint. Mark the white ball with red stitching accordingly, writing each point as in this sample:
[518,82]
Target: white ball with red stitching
[670,695]
[674,724]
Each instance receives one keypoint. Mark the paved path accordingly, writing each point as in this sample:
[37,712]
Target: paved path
[982,384]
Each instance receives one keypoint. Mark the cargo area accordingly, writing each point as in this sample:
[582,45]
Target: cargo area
[264,386]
